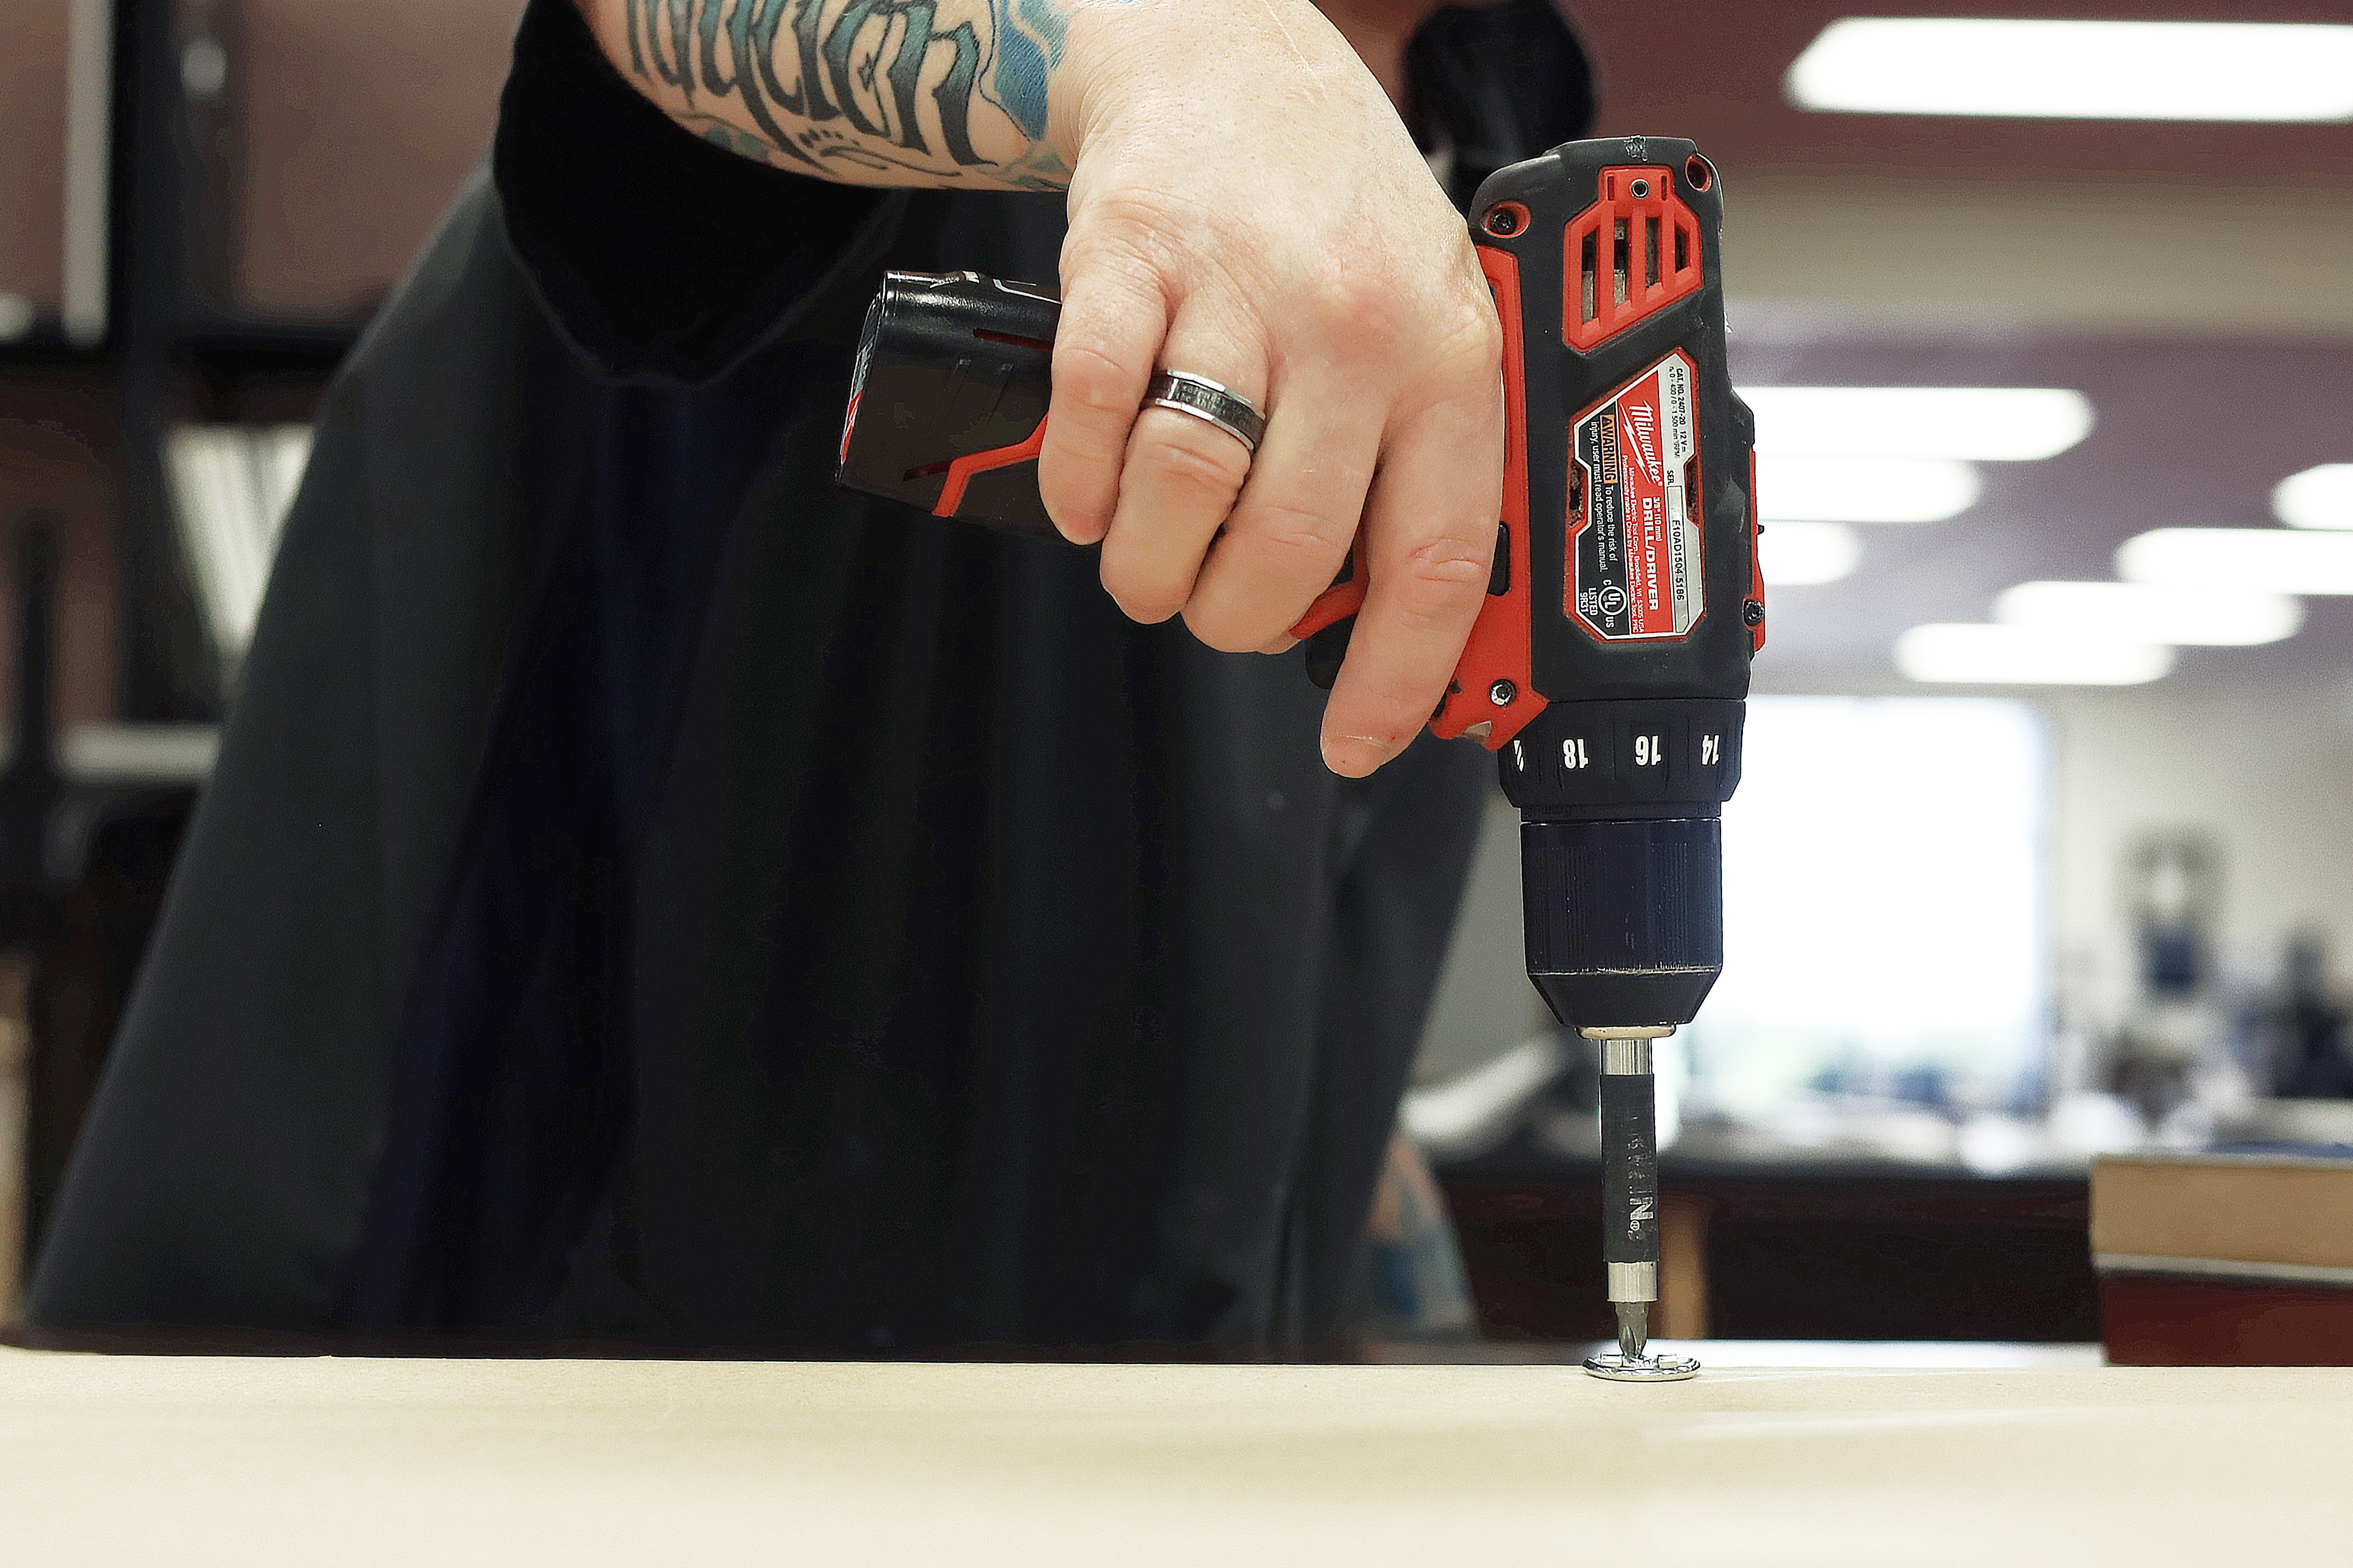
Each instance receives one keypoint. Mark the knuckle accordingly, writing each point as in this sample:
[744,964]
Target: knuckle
[1093,379]
[1282,534]
[1343,299]
[1123,226]
[1360,316]
[1464,344]
[1204,470]
[1437,341]
[1472,344]
[1435,581]
[1448,559]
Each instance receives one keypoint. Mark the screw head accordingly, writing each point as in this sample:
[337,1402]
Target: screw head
[1502,694]
[1642,188]
[1752,613]
[1502,221]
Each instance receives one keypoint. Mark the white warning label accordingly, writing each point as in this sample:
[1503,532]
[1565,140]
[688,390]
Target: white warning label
[1634,542]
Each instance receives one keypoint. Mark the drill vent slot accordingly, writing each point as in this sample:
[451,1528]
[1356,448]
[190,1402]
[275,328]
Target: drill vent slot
[1667,268]
[1013,340]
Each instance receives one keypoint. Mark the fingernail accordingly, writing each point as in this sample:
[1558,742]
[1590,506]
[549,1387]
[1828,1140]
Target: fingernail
[1354,756]
[1281,645]
[1142,618]
[1078,527]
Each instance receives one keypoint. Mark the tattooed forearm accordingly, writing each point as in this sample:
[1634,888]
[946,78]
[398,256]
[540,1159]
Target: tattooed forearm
[882,92]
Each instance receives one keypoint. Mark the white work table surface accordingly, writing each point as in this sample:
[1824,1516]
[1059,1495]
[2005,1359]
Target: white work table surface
[199,1461]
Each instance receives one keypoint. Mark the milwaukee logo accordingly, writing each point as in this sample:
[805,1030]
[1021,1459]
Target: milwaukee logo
[1642,438]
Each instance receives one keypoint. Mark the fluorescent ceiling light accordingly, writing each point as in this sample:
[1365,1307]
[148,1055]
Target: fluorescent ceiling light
[2316,497]
[2031,656]
[2138,611]
[1863,489]
[2274,560]
[1803,554]
[2271,71]
[1989,424]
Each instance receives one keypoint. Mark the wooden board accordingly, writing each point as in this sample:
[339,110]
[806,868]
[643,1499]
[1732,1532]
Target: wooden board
[195,1462]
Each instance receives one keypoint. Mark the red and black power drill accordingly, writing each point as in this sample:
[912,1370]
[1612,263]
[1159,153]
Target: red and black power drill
[1608,669]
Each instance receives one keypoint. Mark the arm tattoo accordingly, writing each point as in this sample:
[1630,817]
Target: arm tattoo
[954,90]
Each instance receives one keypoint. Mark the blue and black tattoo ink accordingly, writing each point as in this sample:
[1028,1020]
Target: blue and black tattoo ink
[1029,45]
[866,67]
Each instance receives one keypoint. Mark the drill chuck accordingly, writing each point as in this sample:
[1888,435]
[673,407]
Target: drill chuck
[1621,854]
[1624,917]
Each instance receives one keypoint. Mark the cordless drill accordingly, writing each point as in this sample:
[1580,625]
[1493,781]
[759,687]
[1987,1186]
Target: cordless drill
[1609,667]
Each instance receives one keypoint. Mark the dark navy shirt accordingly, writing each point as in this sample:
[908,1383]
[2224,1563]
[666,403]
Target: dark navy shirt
[849,943]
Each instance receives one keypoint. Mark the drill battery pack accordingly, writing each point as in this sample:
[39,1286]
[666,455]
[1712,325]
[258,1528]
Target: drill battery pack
[947,400]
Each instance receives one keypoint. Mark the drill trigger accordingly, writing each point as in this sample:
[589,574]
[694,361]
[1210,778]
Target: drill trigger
[1325,650]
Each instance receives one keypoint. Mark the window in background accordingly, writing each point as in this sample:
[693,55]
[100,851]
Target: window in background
[1885,874]
[232,487]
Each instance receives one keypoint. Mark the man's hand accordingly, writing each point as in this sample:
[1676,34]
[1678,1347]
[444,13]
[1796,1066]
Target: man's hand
[1246,206]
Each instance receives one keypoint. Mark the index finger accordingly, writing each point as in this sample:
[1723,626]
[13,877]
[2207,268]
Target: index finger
[1109,337]
[1428,542]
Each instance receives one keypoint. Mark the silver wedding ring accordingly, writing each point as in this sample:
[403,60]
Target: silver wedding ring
[1205,399]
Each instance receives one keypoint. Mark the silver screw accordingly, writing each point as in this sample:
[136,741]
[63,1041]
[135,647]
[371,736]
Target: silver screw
[1502,693]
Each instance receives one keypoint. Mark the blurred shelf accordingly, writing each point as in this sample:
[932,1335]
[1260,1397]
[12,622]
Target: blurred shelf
[225,348]
[1858,1249]
[135,755]
[244,348]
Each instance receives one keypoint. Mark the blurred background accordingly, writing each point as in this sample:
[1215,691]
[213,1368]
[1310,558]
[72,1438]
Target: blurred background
[2046,844]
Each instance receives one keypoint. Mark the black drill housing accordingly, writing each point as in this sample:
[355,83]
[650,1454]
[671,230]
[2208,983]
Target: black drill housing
[1621,780]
